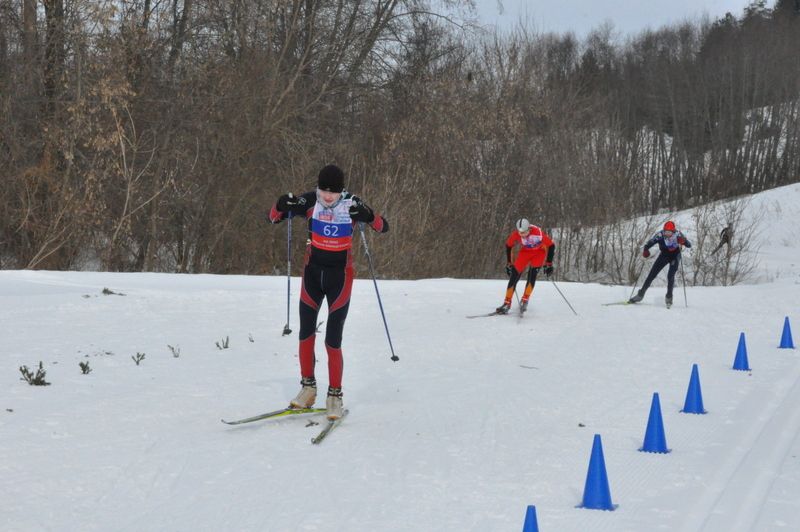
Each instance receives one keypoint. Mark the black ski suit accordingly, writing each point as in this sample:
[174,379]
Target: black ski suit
[328,271]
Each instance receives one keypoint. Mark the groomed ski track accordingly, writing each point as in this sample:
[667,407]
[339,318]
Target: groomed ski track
[747,477]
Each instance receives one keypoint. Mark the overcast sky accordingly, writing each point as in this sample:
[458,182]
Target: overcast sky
[580,16]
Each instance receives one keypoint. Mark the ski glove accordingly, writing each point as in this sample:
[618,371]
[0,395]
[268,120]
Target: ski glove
[509,269]
[287,201]
[361,213]
[681,241]
[548,268]
[646,253]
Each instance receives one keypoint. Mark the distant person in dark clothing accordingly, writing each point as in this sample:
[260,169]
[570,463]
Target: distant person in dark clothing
[724,238]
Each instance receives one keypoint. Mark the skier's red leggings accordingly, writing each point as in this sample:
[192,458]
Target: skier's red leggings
[334,284]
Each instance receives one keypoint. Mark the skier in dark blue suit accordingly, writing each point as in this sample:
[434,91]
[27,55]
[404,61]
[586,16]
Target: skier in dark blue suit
[670,241]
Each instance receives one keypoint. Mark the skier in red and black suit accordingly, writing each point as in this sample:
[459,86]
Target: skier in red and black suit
[536,250]
[332,214]
[669,241]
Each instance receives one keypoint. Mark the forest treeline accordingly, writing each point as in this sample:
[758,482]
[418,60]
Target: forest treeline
[154,135]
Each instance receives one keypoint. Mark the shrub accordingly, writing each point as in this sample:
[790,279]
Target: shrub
[224,343]
[34,380]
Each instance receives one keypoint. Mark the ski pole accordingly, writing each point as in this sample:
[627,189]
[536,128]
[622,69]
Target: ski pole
[683,279]
[375,282]
[286,329]
[565,297]
[515,290]
[638,276]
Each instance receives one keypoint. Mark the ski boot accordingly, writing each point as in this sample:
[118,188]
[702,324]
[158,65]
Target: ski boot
[333,404]
[523,307]
[503,309]
[307,395]
[638,297]
[668,301]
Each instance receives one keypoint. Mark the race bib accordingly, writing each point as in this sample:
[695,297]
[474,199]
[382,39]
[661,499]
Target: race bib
[332,228]
[531,240]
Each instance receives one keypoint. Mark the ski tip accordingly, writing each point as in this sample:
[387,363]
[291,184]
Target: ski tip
[331,424]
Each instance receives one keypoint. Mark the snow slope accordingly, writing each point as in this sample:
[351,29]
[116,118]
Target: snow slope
[774,217]
[477,420]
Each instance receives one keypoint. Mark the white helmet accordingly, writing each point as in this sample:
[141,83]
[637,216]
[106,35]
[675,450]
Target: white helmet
[523,225]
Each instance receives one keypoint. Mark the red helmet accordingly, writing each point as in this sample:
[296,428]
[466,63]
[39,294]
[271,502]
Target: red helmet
[669,226]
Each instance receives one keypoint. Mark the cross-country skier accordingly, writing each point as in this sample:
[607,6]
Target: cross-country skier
[724,238]
[669,241]
[332,214]
[536,250]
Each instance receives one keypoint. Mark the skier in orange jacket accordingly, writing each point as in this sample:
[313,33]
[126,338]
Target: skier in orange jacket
[536,250]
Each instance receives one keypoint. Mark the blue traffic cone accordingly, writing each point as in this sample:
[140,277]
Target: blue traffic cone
[694,396]
[740,362]
[654,439]
[530,520]
[596,495]
[786,337]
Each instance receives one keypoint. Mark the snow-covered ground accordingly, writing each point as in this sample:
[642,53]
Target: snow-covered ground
[772,218]
[479,419]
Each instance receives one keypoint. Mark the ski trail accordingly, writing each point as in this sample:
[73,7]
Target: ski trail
[737,493]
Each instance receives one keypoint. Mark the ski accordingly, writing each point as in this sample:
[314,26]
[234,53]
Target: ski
[483,315]
[495,313]
[628,303]
[276,413]
[332,424]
